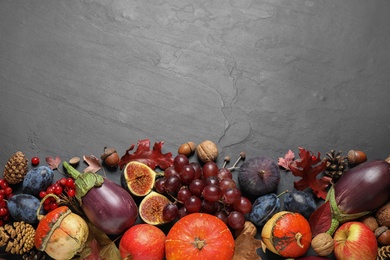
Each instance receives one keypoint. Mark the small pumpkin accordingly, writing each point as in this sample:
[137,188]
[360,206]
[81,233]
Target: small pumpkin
[199,236]
[287,234]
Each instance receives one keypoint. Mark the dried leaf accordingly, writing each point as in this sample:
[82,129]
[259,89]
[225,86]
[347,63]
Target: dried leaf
[93,164]
[53,163]
[153,158]
[99,246]
[246,247]
[287,160]
[308,167]
[320,220]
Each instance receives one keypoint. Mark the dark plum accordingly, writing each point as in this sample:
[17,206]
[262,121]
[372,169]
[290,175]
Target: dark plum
[299,202]
[23,207]
[37,179]
[263,208]
[258,176]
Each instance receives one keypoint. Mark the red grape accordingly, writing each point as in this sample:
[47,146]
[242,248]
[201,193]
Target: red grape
[210,169]
[172,184]
[243,205]
[196,187]
[236,220]
[231,195]
[193,204]
[225,184]
[179,161]
[170,171]
[224,173]
[183,194]
[187,174]
[170,212]
[198,170]
[212,193]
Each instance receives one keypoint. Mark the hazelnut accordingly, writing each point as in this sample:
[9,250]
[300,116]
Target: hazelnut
[322,244]
[370,222]
[207,151]
[356,157]
[383,215]
[383,235]
[187,149]
[110,157]
[74,161]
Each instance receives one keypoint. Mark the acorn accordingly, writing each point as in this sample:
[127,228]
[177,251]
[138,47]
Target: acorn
[187,149]
[110,157]
[356,157]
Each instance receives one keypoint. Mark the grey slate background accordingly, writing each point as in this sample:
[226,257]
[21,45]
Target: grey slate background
[256,76]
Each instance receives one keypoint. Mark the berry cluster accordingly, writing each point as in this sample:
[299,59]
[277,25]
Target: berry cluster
[62,187]
[206,188]
[5,193]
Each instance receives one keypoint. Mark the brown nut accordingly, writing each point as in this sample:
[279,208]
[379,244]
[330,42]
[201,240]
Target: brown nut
[383,235]
[249,228]
[383,215]
[370,222]
[356,157]
[207,151]
[110,157]
[322,244]
[187,149]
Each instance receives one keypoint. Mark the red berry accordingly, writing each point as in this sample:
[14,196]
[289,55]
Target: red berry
[50,190]
[8,191]
[4,185]
[1,223]
[62,182]
[53,205]
[46,207]
[42,194]
[70,183]
[35,160]
[3,212]
[57,190]
[71,192]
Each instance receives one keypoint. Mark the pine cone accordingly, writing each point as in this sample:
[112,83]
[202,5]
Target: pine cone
[18,238]
[16,168]
[383,253]
[336,165]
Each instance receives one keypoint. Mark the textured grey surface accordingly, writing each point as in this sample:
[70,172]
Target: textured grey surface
[256,76]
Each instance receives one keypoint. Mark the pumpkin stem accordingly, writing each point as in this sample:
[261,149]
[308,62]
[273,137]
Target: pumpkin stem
[298,237]
[199,244]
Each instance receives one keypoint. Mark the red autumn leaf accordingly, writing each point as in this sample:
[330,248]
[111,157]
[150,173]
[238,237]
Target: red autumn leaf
[321,219]
[287,160]
[308,167]
[93,164]
[53,163]
[95,250]
[153,158]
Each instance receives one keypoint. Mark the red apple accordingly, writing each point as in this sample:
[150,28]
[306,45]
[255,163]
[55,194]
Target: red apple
[143,242]
[355,241]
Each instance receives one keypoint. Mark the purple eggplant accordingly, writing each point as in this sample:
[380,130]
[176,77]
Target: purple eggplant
[359,191]
[106,204]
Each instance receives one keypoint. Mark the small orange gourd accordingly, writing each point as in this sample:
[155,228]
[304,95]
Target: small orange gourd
[287,234]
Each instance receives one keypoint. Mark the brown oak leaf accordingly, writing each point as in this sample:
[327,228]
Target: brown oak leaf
[246,247]
[53,162]
[308,167]
[287,160]
[93,164]
[153,158]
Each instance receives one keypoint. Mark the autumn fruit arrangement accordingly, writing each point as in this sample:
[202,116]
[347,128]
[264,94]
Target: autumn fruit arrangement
[188,207]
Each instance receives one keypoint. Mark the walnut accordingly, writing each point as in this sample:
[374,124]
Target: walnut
[383,215]
[207,151]
[322,244]
[249,228]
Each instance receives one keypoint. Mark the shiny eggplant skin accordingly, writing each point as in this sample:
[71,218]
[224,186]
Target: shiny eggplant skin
[110,208]
[365,187]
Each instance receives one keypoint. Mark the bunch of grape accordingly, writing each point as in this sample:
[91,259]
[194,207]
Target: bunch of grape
[5,193]
[64,187]
[206,188]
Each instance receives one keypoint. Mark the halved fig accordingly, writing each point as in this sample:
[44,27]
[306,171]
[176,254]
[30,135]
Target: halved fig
[151,208]
[258,176]
[138,178]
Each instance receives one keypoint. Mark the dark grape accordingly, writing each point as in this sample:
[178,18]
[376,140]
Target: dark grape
[231,196]
[222,216]
[170,171]
[159,185]
[198,170]
[209,207]
[212,180]
[210,169]
[225,184]
[179,161]
[187,174]
[172,184]
[193,204]
[183,194]
[236,220]
[243,205]
[224,173]
[170,212]
[196,187]
[182,212]
[212,193]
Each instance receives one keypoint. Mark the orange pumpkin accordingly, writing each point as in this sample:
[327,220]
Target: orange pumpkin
[287,234]
[199,236]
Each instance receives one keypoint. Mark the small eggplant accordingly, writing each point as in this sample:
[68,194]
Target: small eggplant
[359,191]
[106,204]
